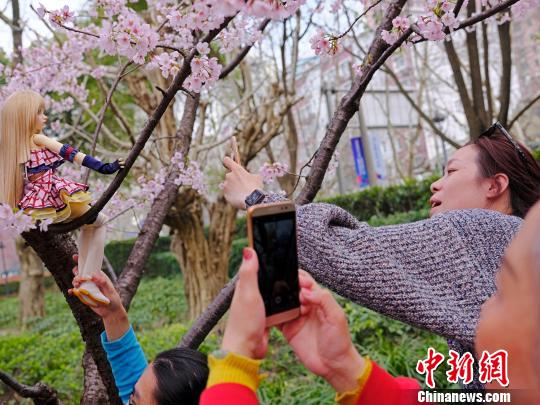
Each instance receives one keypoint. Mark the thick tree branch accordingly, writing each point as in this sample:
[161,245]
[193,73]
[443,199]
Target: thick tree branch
[132,273]
[378,53]
[40,393]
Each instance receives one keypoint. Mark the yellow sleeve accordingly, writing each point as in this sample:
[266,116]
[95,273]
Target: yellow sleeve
[351,397]
[234,368]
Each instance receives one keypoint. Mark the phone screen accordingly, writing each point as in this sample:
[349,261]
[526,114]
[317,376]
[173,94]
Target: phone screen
[274,240]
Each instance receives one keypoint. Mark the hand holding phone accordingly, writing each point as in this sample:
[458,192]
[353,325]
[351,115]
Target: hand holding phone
[272,234]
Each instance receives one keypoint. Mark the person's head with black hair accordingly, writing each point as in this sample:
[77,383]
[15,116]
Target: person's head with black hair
[174,381]
[176,376]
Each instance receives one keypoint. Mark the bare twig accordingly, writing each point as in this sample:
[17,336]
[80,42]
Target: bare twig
[523,110]
[39,392]
[102,112]
[358,19]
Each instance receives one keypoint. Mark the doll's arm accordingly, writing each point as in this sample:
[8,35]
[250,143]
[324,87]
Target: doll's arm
[71,154]
[55,146]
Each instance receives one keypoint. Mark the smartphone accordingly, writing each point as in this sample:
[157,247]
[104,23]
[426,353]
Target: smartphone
[234,150]
[272,234]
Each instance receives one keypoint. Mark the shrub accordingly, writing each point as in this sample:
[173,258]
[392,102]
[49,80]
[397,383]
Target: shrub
[160,263]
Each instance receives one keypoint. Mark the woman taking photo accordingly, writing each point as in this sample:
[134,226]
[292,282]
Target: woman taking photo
[433,274]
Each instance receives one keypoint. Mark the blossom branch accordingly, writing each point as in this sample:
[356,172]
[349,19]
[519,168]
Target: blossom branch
[242,54]
[144,135]
[78,31]
[478,17]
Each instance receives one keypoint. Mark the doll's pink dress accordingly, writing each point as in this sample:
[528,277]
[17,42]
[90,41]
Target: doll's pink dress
[49,195]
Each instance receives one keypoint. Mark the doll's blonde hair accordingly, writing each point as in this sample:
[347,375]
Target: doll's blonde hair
[17,126]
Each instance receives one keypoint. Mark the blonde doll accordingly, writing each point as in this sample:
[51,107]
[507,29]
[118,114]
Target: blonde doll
[28,163]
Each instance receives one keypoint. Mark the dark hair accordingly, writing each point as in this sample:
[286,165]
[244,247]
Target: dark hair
[499,155]
[181,376]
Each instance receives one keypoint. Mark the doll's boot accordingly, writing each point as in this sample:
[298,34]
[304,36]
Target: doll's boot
[89,293]
[85,299]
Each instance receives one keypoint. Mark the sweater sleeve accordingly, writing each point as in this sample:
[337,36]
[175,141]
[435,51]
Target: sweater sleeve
[127,361]
[433,274]
[233,379]
[382,388]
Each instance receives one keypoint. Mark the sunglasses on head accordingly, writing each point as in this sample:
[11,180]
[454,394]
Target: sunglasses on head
[498,126]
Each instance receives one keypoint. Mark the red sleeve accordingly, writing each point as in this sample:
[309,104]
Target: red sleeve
[228,394]
[382,388]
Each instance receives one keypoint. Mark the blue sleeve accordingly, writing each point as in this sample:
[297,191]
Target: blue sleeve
[127,361]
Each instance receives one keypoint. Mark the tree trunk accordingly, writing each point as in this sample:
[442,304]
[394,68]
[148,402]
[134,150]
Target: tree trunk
[506,76]
[16,32]
[476,75]
[204,261]
[95,392]
[31,287]
[470,113]
[56,251]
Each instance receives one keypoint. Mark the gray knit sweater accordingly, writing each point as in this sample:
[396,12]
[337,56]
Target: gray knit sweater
[433,274]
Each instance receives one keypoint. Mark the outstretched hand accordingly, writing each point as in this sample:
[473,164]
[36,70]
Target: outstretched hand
[114,314]
[320,337]
[239,183]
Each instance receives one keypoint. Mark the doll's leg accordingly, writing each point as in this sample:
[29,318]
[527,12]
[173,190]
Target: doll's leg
[85,236]
[92,247]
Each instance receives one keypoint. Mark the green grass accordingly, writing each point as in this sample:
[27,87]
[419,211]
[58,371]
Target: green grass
[51,349]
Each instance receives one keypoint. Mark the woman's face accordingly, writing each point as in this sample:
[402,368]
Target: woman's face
[143,392]
[41,120]
[510,319]
[462,186]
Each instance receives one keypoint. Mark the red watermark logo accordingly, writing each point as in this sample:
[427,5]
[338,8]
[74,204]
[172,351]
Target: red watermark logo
[491,367]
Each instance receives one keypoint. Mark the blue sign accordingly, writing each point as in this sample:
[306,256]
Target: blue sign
[360,164]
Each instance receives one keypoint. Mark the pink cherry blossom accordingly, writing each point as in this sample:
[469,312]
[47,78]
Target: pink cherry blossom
[13,223]
[269,172]
[62,16]
[336,6]
[401,23]
[450,20]
[41,10]
[203,48]
[431,28]
[324,44]
[204,72]
[390,37]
